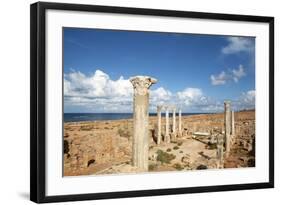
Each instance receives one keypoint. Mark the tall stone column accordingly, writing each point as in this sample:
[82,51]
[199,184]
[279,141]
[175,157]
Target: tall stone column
[220,158]
[159,134]
[232,123]
[180,130]
[167,134]
[227,126]
[174,123]
[141,85]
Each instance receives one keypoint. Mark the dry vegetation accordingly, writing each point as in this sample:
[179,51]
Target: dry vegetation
[103,147]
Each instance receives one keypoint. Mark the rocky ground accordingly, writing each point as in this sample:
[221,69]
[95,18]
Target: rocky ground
[105,147]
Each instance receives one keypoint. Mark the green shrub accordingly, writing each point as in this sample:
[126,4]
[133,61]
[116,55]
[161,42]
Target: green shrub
[201,166]
[124,133]
[178,166]
[164,157]
[175,147]
[120,132]
[212,146]
[152,167]
[86,127]
[180,143]
[168,150]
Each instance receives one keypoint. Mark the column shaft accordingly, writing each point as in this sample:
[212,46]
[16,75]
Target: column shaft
[159,135]
[180,131]
[174,123]
[220,158]
[232,123]
[167,134]
[141,85]
[227,126]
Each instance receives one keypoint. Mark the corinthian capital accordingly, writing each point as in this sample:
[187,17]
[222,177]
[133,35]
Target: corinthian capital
[227,103]
[141,84]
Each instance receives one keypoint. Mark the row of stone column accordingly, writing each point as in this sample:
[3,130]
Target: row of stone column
[167,137]
[141,85]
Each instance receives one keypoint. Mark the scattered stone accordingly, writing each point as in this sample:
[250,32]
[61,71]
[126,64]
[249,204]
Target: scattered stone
[251,162]
[185,159]
[108,148]
[201,166]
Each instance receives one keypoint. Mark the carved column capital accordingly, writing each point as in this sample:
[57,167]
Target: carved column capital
[141,84]
[227,103]
[140,147]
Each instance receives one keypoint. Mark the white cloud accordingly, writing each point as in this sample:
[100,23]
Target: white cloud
[238,44]
[99,93]
[238,73]
[97,85]
[190,95]
[227,76]
[219,79]
[193,99]
[246,100]
[160,96]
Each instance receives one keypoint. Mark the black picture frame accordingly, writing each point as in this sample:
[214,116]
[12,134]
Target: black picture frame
[38,103]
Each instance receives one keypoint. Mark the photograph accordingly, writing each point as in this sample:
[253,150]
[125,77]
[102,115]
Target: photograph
[142,101]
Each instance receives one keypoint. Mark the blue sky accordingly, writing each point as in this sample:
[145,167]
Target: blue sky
[196,72]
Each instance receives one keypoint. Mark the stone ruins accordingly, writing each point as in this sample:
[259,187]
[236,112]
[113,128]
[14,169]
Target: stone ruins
[141,84]
[165,142]
[227,126]
[169,134]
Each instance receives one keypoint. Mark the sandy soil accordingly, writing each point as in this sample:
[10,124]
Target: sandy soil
[105,147]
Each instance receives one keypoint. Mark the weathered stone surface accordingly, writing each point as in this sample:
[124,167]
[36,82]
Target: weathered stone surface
[180,125]
[159,133]
[232,123]
[167,130]
[227,125]
[141,85]
[174,123]
[93,148]
[186,159]
[220,156]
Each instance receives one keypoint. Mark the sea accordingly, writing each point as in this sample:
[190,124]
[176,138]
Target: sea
[80,117]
